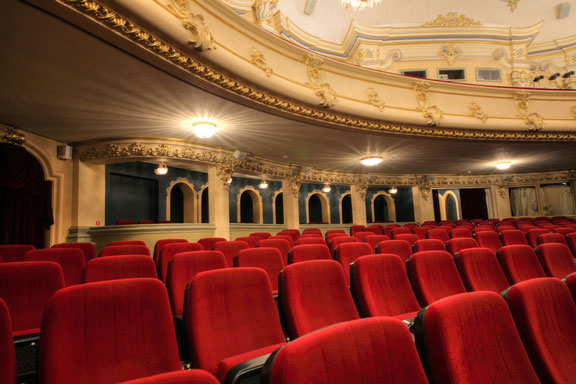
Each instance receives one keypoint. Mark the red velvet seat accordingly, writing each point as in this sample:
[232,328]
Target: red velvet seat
[335,242]
[564,231]
[376,350]
[381,287]
[519,263]
[8,359]
[439,234]
[280,244]
[378,230]
[183,267]
[362,235]
[208,242]
[288,238]
[570,240]
[545,315]
[146,222]
[230,318]
[551,238]
[120,267]
[397,247]
[532,235]
[125,222]
[107,332]
[460,232]
[70,259]
[262,235]
[314,294]
[310,240]
[556,259]
[308,231]
[229,249]
[293,233]
[330,236]
[400,231]
[252,241]
[308,252]
[489,239]
[434,276]
[161,243]
[14,252]
[126,242]
[122,250]
[346,253]
[570,281]
[169,251]
[456,245]
[513,237]
[374,240]
[88,249]
[471,338]
[269,259]
[409,237]
[480,270]
[429,245]
[421,232]
[334,231]
[356,228]
[191,376]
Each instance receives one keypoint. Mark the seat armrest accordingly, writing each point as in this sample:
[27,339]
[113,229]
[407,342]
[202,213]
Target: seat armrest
[250,367]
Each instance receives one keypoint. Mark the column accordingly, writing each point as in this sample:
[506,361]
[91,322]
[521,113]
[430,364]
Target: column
[219,200]
[358,198]
[501,201]
[290,199]
[423,205]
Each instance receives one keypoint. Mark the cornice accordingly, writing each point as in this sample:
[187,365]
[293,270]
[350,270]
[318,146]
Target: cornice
[191,63]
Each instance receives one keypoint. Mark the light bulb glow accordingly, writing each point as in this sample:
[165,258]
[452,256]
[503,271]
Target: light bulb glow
[371,161]
[204,129]
[162,169]
[503,164]
[326,188]
[393,190]
[263,184]
[358,5]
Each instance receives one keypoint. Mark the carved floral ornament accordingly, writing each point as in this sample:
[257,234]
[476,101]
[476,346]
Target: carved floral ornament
[452,19]
[430,112]
[201,37]
[450,53]
[533,120]
[323,90]
[11,136]
[512,4]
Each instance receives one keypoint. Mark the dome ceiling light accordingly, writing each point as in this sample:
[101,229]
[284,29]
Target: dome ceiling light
[162,169]
[371,161]
[358,5]
[503,164]
[204,129]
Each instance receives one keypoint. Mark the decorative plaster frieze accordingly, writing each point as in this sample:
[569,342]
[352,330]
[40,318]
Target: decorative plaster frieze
[512,4]
[450,53]
[201,37]
[257,58]
[430,112]
[323,90]
[573,110]
[477,112]
[263,10]
[452,19]
[375,100]
[533,120]
[225,170]
[12,136]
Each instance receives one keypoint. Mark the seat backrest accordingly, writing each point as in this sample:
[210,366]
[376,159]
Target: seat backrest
[314,294]
[401,248]
[125,222]
[409,237]
[8,360]
[421,232]
[532,235]
[70,259]
[381,287]
[230,249]
[168,252]
[183,267]
[309,231]
[293,233]
[459,232]
[519,263]
[146,222]
[374,240]
[362,235]
[208,242]
[126,242]
[288,238]
[548,333]
[262,235]
[280,244]
[120,267]
[14,252]
[107,332]
[348,252]
[551,238]
[310,240]
[439,234]
[513,237]
[400,231]
[456,245]
[434,276]
[189,376]
[480,270]
[335,242]
[564,231]
[269,259]
[356,228]
[384,350]
[556,259]
[252,241]
[229,312]
[307,252]
[88,249]
[570,281]
[161,243]
[489,239]
[471,338]
[429,245]
[120,250]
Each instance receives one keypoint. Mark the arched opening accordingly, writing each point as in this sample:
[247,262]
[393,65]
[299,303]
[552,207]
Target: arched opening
[317,208]
[246,208]
[279,208]
[383,208]
[176,205]
[204,206]
[25,198]
[181,202]
[346,209]
[451,208]
[249,206]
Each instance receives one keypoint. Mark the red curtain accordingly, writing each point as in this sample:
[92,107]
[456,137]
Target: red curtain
[25,198]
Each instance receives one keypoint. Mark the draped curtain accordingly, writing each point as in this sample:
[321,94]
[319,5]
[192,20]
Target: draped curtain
[557,200]
[523,201]
[25,198]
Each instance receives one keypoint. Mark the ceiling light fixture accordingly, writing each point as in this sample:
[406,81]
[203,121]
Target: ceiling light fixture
[503,164]
[393,190]
[358,5]
[326,188]
[162,169]
[371,161]
[263,184]
[204,129]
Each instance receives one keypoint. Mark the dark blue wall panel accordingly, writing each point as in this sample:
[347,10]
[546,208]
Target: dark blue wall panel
[267,195]
[333,197]
[403,201]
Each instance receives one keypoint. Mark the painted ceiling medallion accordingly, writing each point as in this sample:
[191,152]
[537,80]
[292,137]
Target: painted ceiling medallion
[452,19]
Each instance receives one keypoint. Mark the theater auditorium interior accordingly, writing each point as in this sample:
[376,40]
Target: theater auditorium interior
[287,191]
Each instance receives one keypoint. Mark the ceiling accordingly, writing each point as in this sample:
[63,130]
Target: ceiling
[63,83]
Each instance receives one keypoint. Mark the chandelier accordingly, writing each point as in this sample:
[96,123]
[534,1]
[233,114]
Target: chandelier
[358,5]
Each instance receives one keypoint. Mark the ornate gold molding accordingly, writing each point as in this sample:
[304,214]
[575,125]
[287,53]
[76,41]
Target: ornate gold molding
[431,112]
[11,136]
[201,37]
[521,78]
[224,171]
[263,10]
[375,100]
[502,186]
[512,4]
[452,19]
[573,110]
[533,120]
[257,58]
[477,112]
[424,186]
[133,32]
[450,53]
[323,90]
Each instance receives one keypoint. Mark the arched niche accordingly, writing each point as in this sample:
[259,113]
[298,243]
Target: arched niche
[345,204]
[278,207]
[203,205]
[378,209]
[324,206]
[449,207]
[251,193]
[188,200]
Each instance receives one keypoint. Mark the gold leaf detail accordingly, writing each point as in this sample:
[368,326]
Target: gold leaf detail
[323,90]
[257,58]
[477,112]
[512,4]
[452,19]
[374,99]
[431,112]
[12,136]
[450,53]
[533,120]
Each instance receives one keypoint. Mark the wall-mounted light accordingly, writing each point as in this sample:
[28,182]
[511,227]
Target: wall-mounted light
[263,184]
[503,164]
[326,188]
[371,161]
[229,181]
[204,129]
[162,169]
[393,190]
